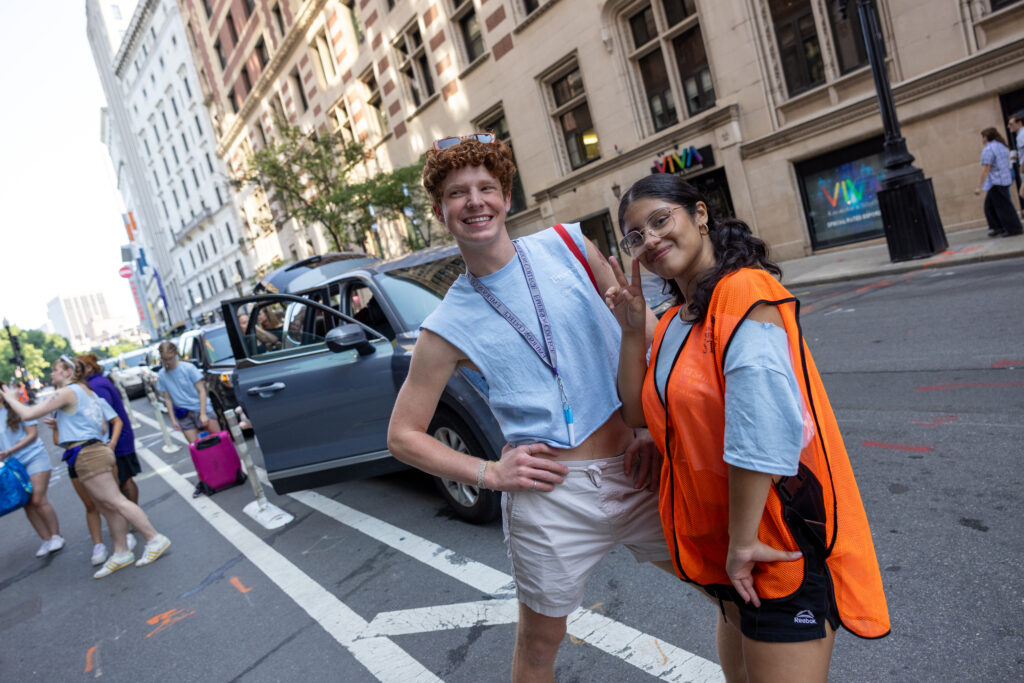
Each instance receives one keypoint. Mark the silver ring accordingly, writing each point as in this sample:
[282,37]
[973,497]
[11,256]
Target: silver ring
[534,487]
[529,450]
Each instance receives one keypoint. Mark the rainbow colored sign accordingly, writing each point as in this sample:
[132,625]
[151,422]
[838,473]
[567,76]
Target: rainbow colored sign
[690,158]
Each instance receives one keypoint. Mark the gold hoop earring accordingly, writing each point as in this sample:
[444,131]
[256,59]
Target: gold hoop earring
[703,228]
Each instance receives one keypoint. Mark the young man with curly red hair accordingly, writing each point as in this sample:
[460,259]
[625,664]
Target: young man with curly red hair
[528,316]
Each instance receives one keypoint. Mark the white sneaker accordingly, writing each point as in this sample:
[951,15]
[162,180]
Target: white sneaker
[116,561]
[99,554]
[154,549]
[131,542]
[56,543]
[44,549]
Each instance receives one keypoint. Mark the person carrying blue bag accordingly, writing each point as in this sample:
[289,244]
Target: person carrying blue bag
[23,452]
[81,421]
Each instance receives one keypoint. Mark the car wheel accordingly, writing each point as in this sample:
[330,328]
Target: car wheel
[471,503]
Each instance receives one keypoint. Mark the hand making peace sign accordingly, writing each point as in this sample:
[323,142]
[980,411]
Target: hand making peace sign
[626,299]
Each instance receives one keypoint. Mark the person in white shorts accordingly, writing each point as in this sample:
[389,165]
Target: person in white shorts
[528,315]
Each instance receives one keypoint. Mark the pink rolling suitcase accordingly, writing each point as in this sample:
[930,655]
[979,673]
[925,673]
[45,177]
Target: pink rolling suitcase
[216,462]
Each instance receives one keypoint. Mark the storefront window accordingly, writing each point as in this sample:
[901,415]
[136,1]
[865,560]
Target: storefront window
[840,194]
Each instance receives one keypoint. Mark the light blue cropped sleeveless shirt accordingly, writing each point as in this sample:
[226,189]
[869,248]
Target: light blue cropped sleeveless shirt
[89,420]
[523,393]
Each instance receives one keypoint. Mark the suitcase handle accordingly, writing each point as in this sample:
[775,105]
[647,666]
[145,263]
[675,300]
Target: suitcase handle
[208,442]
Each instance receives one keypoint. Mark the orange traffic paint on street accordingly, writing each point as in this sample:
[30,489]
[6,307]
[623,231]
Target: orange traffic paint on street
[237,583]
[89,664]
[945,419]
[166,619]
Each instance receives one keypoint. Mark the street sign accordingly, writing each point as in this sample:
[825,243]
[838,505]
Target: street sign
[125,271]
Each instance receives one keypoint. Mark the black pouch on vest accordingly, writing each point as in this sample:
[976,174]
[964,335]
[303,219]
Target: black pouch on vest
[803,510]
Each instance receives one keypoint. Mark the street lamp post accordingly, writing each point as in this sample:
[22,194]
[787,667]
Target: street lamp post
[910,216]
[18,360]
[236,280]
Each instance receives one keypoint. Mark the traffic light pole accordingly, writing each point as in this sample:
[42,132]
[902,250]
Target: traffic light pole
[18,361]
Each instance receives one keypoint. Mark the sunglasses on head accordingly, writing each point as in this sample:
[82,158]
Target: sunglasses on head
[445,143]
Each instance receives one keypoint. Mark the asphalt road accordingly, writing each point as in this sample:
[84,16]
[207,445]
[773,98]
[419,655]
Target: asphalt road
[375,580]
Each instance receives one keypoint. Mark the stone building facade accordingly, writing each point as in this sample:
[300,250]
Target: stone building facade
[768,105]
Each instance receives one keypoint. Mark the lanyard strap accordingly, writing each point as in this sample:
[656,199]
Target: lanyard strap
[546,353]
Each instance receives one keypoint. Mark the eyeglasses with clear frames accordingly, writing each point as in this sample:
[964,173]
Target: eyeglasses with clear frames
[660,223]
[445,143]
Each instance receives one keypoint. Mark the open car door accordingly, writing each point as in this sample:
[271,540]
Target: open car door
[317,386]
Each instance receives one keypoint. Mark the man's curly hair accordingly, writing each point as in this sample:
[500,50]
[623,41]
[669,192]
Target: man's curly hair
[496,157]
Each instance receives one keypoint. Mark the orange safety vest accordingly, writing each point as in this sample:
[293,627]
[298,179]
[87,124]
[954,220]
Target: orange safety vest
[689,428]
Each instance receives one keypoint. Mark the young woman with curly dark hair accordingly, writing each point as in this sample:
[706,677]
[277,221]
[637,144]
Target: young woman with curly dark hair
[757,497]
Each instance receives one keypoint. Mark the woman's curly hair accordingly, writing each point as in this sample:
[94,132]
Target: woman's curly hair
[496,157]
[735,245]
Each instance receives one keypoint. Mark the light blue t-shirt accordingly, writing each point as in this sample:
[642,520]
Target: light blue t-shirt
[89,420]
[8,439]
[522,391]
[180,383]
[764,419]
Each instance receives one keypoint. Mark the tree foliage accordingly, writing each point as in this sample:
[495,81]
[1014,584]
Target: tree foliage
[324,179]
[38,349]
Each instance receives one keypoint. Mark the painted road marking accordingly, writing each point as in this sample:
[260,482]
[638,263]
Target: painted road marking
[167,618]
[643,651]
[237,583]
[383,658]
[639,649]
[897,447]
[445,617]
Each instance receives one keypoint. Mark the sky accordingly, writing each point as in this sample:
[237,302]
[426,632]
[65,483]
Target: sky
[61,229]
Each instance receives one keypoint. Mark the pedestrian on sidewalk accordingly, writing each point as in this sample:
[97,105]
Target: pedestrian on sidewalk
[758,500]
[184,394]
[124,450]
[81,422]
[1016,126]
[996,179]
[528,316]
[20,440]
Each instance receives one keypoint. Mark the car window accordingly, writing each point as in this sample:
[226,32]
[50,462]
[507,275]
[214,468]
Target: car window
[185,348]
[265,334]
[133,359]
[218,346]
[364,307]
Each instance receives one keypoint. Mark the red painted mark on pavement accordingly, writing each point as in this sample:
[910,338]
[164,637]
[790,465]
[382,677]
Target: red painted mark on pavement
[945,419]
[1007,363]
[873,285]
[237,583]
[968,250]
[897,447]
[166,619]
[963,385]
[89,666]
[943,256]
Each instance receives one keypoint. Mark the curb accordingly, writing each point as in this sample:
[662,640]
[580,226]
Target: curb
[897,269]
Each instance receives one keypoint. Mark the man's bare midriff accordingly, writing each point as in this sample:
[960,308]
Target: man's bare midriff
[610,439]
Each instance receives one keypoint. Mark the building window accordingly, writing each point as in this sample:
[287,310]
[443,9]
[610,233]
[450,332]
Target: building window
[156,133]
[213,243]
[413,65]
[167,168]
[167,214]
[261,134]
[195,178]
[1000,4]
[184,188]
[236,98]
[188,88]
[220,199]
[246,80]
[145,143]
[261,52]
[174,106]
[219,49]
[799,49]
[209,164]
[295,81]
[572,116]
[464,16]
[163,116]
[668,51]
[848,38]
[343,124]
[497,124]
[529,6]
[202,292]
[374,102]
[277,105]
[278,19]
[692,62]
[227,229]
[321,47]
[184,141]
[208,8]
[229,21]
[175,153]
[250,7]
[156,178]
[199,126]
[223,279]
[174,196]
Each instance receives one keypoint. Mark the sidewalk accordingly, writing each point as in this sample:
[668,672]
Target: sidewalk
[965,246]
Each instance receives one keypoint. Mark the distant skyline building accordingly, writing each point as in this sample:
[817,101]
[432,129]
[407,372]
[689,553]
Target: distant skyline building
[83,319]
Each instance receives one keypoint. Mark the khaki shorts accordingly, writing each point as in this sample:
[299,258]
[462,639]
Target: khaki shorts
[556,539]
[93,460]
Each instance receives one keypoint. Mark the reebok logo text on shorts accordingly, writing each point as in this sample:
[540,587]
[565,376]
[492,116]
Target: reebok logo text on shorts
[804,616]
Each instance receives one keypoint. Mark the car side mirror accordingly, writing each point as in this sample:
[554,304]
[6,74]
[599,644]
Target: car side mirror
[349,336]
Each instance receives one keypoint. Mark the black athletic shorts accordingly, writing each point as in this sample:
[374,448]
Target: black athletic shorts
[127,467]
[802,615]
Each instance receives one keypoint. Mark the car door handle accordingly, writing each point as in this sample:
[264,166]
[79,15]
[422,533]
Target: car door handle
[267,390]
